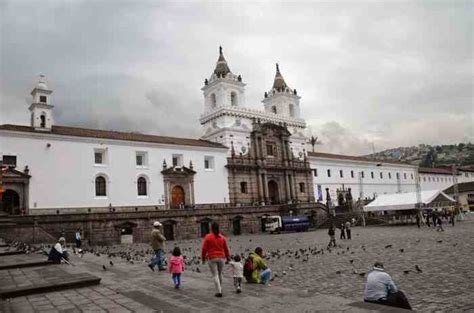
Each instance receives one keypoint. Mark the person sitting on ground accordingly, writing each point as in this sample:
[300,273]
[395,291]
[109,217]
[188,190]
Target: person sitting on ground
[58,251]
[381,289]
[261,273]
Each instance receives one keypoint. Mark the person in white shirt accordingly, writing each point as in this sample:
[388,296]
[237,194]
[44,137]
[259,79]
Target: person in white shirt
[78,238]
[58,251]
[381,289]
[237,272]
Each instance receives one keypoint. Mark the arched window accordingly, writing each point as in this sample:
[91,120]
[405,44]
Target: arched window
[274,109]
[233,99]
[141,186]
[100,186]
[243,187]
[292,109]
[213,100]
[43,120]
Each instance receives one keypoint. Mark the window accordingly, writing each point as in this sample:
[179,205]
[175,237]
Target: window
[302,187]
[9,160]
[381,175]
[209,162]
[411,175]
[315,172]
[341,173]
[405,175]
[243,187]
[270,149]
[329,173]
[43,121]
[398,175]
[362,174]
[372,175]
[99,157]
[233,99]
[177,160]
[100,187]
[43,99]
[389,175]
[141,159]
[424,178]
[466,174]
[141,186]
[352,174]
[213,100]
[274,109]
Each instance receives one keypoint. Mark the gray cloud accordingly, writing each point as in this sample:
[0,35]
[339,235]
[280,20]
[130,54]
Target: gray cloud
[393,73]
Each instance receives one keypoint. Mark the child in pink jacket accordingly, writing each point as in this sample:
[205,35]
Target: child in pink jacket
[176,266]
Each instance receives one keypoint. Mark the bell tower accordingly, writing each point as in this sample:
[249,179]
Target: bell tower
[223,88]
[41,108]
[281,99]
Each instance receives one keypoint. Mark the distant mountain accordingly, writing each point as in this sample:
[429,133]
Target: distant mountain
[430,156]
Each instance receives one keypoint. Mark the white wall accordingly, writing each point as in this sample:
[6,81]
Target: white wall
[370,185]
[63,174]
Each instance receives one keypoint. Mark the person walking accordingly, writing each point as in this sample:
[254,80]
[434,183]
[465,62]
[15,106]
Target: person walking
[176,267]
[417,217]
[439,223]
[237,272]
[215,250]
[348,230]
[158,246]
[78,238]
[332,236]
[381,289]
[343,233]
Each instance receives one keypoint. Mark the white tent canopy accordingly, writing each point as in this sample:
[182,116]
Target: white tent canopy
[406,201]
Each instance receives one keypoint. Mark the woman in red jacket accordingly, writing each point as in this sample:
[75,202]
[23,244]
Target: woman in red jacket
[214,249]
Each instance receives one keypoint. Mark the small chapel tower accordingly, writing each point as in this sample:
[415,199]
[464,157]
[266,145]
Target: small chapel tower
[41,108]
[223,88]
[281,99]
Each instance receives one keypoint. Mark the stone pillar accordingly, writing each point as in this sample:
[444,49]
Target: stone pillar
[295,187]
[265,187]
[287,185]
[261,195]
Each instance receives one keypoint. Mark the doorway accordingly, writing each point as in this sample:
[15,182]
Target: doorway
[168,231]
[126,235]
[177,196]
[205,228]
[11,202]
[236,227]
[273,192]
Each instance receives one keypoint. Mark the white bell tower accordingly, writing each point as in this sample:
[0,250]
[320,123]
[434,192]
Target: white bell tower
[281,99]
[41,108]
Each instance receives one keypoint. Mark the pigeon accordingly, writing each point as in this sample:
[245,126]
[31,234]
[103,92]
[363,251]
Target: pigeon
[406,271]
[338,272]
[418,269]
[440,241]
[362,274]
[104,268]
[198,270]
[352,261]
[111,263]
[401,250]
[388,246]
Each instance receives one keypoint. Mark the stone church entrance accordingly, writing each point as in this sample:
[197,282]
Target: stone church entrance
[177,196]
[273,193]
[11,202]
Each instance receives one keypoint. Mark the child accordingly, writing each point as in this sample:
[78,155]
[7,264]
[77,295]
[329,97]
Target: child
[237,272]
[176,266]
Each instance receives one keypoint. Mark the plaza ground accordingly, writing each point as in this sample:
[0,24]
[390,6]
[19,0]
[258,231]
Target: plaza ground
[316,279]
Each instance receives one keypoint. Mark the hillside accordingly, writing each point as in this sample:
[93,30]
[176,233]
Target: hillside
[429,156]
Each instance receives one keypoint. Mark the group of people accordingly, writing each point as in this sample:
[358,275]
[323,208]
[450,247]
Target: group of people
[435,219]
[216,253]
[345,233]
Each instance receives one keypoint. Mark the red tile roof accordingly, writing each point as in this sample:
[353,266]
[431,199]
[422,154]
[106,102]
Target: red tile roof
[435,170]
[352,158]
[114,135]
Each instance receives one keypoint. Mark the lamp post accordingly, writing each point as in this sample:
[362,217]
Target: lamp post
[361,196]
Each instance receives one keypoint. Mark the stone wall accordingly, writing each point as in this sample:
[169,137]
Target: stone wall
[106,228]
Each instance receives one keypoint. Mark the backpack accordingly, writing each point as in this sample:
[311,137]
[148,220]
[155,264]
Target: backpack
[248,267]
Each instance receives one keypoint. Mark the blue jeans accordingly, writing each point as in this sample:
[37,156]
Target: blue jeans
[157,259]
[177,279]
[265,276]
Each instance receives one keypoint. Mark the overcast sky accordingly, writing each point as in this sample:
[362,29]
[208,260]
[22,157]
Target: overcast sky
[392,74]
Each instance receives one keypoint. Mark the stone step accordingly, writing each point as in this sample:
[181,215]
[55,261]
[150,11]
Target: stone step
[65,282]
[24,264]
[5,253]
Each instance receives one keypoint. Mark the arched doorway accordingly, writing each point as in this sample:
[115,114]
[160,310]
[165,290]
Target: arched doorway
[177,196]
[236,226]
[273,193]
[11,202]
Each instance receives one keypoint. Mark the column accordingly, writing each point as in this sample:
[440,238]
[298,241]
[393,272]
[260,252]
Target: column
[265,187]
[287,185]
[260,187]
[295,187]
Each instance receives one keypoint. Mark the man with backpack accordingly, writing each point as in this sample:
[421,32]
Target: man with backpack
[256,270]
